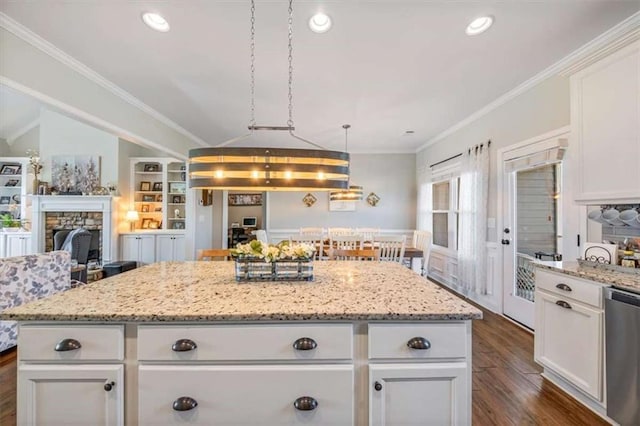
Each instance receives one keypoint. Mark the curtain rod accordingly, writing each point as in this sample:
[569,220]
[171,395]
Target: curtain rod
[459,155]
[444,161]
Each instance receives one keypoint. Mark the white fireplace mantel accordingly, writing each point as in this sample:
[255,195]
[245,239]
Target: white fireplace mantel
[42,204]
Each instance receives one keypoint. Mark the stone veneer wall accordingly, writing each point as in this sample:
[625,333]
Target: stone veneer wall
[71,220]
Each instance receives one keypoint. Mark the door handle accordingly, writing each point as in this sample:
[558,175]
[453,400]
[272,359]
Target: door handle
[506,242]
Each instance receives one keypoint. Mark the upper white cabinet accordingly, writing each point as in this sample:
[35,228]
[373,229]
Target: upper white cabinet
[605,121]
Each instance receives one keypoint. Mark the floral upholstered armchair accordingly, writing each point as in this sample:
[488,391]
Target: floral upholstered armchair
[27,278]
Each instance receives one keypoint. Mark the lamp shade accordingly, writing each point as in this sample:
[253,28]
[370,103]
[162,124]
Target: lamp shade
[268,169]
[132,216]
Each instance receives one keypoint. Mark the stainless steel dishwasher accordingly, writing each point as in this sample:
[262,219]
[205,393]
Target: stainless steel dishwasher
[622,318]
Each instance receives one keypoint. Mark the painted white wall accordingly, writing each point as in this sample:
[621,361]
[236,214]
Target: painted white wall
[390,176]
[29,140]
[61,135]
[543,108]
[4,148]
[28,69]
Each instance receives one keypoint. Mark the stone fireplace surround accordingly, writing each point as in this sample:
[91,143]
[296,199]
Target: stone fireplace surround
[42,204]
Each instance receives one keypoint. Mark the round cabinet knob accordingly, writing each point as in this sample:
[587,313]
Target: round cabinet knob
[377,386]
[184,403]
[109,385]
[67,345]
[304,344]
[305,403]
[184,345]
[419,343]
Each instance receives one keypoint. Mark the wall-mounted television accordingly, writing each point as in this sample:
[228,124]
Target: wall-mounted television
[250,222]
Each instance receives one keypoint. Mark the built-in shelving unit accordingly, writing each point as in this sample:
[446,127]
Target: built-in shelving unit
[159,193]
[14,186]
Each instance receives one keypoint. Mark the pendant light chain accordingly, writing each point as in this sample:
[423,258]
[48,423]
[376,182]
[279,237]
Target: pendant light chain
[290,121]
[252,121]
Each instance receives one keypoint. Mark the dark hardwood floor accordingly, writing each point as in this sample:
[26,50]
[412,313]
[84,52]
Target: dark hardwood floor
[507,387]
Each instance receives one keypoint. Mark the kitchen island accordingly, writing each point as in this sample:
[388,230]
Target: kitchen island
[183,343]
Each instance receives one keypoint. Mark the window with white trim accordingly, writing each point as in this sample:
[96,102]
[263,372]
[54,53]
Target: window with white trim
[439,201]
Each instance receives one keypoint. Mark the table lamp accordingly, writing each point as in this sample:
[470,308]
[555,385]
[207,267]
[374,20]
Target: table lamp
[132,217]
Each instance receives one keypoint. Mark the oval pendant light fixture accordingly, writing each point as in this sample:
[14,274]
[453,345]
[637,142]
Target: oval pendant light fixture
[269,169]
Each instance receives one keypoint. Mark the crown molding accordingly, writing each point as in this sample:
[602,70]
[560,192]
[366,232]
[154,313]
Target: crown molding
[613,39]
[21,131]
[38,42]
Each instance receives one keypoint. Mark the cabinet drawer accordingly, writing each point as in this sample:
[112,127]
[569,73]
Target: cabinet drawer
[97,343]
[245,395]
[569,287]
[245,342]
[445,340]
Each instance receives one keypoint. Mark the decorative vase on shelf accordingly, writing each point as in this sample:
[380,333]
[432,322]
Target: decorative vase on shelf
[36,184]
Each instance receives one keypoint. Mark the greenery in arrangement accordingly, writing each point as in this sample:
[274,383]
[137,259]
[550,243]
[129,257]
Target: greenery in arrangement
[8,221]
[271,253]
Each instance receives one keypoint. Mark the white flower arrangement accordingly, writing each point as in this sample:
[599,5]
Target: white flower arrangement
[271,253]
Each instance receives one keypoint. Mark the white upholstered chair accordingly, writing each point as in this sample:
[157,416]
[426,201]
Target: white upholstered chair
[336,232]
[261,235]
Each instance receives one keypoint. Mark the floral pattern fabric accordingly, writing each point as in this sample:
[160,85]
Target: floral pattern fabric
[27,278]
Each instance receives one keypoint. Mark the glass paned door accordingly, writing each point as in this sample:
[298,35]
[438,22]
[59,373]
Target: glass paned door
[532,205]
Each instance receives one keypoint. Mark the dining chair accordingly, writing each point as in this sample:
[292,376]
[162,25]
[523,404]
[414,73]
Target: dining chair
[361,254]
[315,240]
[422,241]
[213,254]
[346,242]
[368,233]
[335,232]
[312,231]
[391,247]
[261,235]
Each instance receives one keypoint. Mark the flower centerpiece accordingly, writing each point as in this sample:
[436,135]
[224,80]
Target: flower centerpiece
[256,261]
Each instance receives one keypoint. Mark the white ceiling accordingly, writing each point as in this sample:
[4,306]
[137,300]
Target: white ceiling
[17,113]
[385,67]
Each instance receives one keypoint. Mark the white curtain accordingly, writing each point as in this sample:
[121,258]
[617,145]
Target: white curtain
[474,191]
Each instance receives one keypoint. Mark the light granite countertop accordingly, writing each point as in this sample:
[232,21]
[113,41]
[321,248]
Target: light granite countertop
[623,280]
[207,291]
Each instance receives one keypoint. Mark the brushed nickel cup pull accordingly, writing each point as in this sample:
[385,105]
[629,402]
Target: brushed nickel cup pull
[184,345]
[305,403]
[67,345]
[184,403]
[419,343]
[563,304]
[563,287]
[304,344]
[109,385]
[377,386]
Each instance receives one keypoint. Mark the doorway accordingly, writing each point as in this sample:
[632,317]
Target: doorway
[532,223]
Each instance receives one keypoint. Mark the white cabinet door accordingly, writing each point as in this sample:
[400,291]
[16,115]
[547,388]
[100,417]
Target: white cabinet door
[170,247]
[245,395]
[569,341]
[18,245]
[605,118]
[419,394]
[140,248]
[66,394]
[3,245]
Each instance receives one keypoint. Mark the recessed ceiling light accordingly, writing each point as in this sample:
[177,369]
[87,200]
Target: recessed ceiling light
[155,21]
[320,23]
[479,25]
